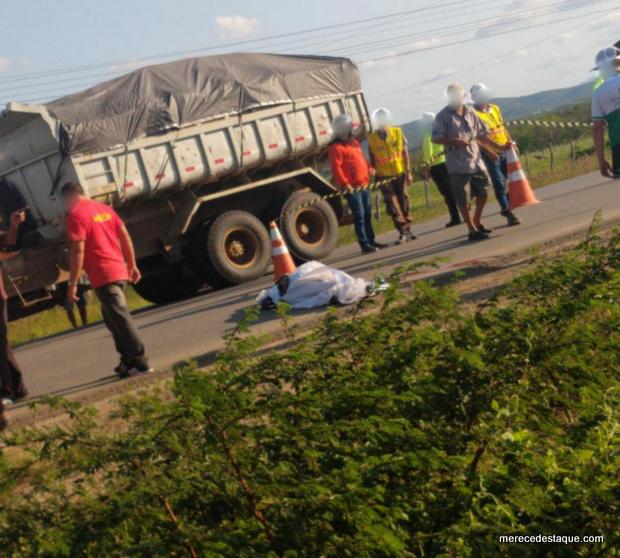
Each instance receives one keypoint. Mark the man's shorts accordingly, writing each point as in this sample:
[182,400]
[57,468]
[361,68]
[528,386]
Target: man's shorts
[479,183]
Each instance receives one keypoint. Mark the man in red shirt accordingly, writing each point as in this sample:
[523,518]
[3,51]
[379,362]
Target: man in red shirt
[102,247]
[351,173]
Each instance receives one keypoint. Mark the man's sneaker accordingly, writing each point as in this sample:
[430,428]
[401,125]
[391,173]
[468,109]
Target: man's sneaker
[411,236]
[379,245]
[369,249]
[402,238]
[512,219]
[7,401]
[483,229]
[478,235]
[453,224]
[128,370]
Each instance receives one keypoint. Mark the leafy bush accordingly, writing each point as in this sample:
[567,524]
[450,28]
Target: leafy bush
[422,429]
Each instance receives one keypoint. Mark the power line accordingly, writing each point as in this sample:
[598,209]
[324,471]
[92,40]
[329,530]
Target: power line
[474,39]
[478,64]
[85,79]
[462,27]
[120,72]
[73,69]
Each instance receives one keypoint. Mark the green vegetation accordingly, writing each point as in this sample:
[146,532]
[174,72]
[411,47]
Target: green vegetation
[536,138]
[426,428]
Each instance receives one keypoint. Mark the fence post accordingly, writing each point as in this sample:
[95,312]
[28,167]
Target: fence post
[377,206]
[426,192]
[551,161]
[527,162]
[573,151]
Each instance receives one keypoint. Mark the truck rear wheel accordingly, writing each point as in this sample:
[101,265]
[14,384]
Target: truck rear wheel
[311,232]
[167,286]
[234,249]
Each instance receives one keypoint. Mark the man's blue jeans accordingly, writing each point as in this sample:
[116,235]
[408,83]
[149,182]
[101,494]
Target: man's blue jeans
[497,172]
[361,208]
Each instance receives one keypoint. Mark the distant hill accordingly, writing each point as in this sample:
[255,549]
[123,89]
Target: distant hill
[520,107]
[528,105]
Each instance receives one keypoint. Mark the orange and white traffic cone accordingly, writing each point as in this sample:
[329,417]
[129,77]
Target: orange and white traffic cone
[282,261]
[519,190]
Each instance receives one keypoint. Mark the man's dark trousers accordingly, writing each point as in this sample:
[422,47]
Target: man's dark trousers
[118,319]
[441,178]
[615,160]
[361,208]
[11,378]
[497,172]
[397,201]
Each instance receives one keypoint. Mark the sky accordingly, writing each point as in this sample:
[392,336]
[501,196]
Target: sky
[407,51]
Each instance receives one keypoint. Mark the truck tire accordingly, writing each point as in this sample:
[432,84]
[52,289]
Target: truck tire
[234,249]
[167,286]
[311,232]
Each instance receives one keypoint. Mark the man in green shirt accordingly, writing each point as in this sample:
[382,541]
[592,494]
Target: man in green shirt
[606,111]
[434,166]
[601,75]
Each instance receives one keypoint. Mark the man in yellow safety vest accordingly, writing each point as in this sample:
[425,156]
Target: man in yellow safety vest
[390,158]
[495,160]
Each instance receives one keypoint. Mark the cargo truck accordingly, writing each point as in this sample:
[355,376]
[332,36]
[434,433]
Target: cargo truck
[196,155]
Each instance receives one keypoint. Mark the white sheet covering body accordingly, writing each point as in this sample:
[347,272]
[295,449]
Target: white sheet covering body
[315,284]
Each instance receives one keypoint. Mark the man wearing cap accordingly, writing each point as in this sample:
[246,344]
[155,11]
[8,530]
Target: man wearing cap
[606,111]
[601,76]
[351,172]
[461,131]
[389,156]
[495,160]
[434,166]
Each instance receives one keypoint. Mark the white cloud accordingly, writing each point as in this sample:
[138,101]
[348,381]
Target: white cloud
[4,64]
[237,26]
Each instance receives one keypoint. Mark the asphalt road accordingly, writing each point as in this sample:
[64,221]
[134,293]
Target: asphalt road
[84,359]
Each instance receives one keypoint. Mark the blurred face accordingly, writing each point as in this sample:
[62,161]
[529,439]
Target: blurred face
[343,130]
[456,98]
[70,200]
[382,120]
[481,97]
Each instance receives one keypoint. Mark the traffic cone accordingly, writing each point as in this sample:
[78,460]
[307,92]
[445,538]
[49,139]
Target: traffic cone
[519,190]
[282,261]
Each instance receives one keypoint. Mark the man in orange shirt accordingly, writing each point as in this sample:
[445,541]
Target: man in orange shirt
[101,245]
[351,173]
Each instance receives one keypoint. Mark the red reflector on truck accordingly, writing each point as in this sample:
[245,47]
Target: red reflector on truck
[160,175]
[299,138]
[128,184]
[323,133]
[273,146]
[190,169]
[218,161]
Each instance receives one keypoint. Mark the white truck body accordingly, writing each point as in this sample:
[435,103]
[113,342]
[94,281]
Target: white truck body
[155,179]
